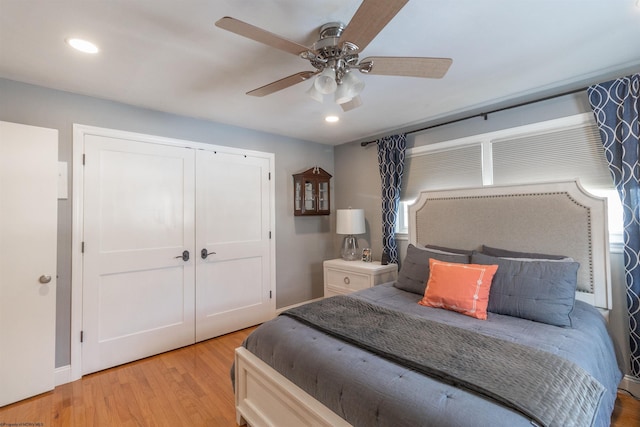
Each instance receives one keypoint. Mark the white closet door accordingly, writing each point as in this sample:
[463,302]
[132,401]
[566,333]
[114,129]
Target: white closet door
[138,293]
[28,234]
[233,217]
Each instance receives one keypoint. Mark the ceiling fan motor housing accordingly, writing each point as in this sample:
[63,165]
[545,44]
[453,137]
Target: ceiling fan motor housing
[331,29]
[329,52]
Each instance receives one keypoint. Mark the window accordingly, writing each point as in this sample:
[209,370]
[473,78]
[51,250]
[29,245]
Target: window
[552,155]
[614,205]
[453,167]
[402,223]
[554,150]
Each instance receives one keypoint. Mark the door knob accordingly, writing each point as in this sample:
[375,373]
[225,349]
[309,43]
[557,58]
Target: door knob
[44,279]
[204,254]
[184,256]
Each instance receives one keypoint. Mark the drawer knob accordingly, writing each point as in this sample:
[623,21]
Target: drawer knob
[346,280]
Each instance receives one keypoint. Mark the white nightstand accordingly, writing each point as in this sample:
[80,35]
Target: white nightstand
[344,277]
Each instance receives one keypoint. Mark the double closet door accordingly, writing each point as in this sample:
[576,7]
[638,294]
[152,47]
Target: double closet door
[176,247]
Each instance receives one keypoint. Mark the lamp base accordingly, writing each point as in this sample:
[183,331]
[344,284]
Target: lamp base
[350,248]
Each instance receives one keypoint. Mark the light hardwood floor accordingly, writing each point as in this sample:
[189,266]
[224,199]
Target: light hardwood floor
[185,387]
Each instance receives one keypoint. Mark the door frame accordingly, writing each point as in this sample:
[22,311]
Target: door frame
[77,221]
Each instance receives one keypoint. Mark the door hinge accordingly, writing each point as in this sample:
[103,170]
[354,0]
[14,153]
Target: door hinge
[270,294]
[81,336]
[269,176]
[269,234]
[83,159]
[82,247]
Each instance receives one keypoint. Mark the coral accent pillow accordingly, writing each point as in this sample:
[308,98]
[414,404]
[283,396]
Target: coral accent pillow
[459,287]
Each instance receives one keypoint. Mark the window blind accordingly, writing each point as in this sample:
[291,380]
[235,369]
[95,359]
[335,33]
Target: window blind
[444,169]
[557,155]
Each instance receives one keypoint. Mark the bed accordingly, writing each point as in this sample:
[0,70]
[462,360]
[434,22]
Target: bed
[528,346]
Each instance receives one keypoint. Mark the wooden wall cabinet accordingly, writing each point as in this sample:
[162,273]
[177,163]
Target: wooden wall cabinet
[311,192]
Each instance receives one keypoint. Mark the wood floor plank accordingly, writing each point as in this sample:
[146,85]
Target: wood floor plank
[185,387]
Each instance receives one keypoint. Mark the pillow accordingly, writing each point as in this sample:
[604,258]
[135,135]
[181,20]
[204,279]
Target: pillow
[543,291]
[414,272]
[459,287]
[505,253]
[447,250]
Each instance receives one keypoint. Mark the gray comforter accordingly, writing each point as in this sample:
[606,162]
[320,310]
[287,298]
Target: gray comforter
[510,373]
[367,390]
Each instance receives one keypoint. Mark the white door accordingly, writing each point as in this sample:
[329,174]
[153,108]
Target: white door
[28,234]
[138,292]
[233,288]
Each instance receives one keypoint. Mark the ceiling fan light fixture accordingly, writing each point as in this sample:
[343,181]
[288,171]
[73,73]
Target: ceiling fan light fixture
[314,93]
[350,87]
[342,94]
[326,82]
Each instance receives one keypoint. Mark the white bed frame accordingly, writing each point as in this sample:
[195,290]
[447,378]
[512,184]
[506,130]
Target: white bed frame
[556,218]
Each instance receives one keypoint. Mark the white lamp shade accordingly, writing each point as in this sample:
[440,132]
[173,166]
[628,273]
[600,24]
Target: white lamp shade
[350,221]
[326,82]
[351,87]
[315,93]
[342,94]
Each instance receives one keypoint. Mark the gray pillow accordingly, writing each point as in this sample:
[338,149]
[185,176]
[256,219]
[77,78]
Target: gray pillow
[505,253]
[449,250]
[414,273]
[538,290]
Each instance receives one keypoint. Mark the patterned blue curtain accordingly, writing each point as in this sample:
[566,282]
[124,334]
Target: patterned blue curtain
[616,106]
[391,151]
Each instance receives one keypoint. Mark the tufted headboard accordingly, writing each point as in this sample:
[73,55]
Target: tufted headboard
[558,218]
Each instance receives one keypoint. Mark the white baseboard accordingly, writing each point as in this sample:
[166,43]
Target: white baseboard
[62,375]
[631,384]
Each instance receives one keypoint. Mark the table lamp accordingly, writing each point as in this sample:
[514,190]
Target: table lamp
[350,222]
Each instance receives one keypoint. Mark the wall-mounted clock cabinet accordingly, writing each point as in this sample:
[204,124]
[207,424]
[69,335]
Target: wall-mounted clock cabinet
[311,192]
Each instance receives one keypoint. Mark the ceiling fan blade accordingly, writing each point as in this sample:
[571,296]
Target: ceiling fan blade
[282,83]
[258,34]
[370,18]
[350,105]
[433,68]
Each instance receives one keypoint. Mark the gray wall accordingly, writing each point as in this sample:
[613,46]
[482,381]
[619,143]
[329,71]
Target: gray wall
[301,243]
[359,187]
[358,179]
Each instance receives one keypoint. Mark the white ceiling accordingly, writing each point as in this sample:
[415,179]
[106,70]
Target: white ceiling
[168,55]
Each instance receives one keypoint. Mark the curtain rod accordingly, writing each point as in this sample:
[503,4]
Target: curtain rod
[485,115]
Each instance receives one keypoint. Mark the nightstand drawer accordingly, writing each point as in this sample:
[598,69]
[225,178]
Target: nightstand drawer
[348,280]
[344,277]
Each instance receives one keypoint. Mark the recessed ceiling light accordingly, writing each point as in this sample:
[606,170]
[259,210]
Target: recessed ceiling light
[332,119]
[82,45]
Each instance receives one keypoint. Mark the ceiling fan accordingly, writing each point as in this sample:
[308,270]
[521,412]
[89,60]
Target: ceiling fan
[336,54]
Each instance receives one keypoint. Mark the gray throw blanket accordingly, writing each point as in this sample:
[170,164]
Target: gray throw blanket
[548,389]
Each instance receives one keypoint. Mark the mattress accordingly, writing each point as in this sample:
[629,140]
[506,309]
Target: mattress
[367,390]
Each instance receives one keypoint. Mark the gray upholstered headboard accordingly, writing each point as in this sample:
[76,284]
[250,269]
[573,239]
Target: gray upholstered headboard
[555,218]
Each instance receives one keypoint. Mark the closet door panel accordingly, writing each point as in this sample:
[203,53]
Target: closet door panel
[138,291]
[232,222]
